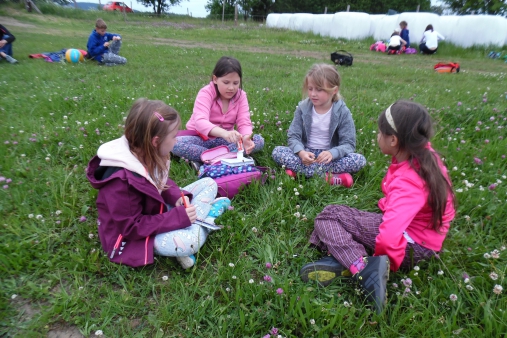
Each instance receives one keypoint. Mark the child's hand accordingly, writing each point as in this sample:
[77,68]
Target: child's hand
[116,38]
[191,213]
[324,157]
[306,157]
[231,136]
[180,201]
[248,143]
[106,44]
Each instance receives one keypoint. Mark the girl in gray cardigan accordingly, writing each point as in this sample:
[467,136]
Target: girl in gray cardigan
[322,135]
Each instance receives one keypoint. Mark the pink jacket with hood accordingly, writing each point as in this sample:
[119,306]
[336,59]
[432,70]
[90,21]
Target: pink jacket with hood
[131,210]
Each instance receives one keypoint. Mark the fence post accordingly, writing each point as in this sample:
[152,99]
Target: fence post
[417,10]
[348,8]
[236,15]
[223,11]
[325,10]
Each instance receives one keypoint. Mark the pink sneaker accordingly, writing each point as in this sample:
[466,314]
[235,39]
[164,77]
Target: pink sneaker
[344,179]
[290,173]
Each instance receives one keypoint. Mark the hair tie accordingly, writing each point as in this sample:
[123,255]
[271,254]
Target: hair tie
[389,118]
[159,117]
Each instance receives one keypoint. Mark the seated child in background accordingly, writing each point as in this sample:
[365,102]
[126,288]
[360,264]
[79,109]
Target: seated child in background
[141,211]
[6,40]
[104,47]
[404,33]
[322,135]
[395,43]
[219,107]
[417,208]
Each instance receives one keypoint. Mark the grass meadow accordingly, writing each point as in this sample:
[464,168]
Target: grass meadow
[55,280]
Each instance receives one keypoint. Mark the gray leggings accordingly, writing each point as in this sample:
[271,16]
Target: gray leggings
[188,241]
[112,58]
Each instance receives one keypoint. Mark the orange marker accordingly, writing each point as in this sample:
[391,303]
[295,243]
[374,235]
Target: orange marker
[183,199]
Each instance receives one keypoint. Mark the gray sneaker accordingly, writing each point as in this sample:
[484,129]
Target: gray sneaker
[11,59]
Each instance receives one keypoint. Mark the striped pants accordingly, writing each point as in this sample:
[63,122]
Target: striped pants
[347,234]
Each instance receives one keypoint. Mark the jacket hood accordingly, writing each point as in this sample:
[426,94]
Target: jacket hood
[307,104]
[116,153]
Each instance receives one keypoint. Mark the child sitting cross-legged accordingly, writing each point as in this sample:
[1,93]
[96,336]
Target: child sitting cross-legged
[322,135]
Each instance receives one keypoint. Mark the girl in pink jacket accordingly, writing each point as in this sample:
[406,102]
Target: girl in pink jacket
[417,208]
[219,107]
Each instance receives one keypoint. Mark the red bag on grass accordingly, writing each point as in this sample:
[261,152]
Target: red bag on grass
[446,67]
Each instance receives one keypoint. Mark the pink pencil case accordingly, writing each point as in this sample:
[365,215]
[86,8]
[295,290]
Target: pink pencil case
[216,154]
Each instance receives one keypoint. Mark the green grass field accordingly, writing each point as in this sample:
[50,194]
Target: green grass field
[55,280]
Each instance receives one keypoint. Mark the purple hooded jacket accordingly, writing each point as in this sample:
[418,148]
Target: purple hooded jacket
[131,212]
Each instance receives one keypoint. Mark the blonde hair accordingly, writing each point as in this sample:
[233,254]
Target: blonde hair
[323,76]
[146,120]
[100,24]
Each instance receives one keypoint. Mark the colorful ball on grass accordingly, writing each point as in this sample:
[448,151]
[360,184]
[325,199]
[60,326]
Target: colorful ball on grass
[73,56]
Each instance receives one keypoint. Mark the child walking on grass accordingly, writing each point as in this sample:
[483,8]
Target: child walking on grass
[104,47]
[141,211]
[417,208]
[219,107]
[322,135]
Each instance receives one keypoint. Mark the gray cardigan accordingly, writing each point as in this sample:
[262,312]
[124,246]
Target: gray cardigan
[342,131]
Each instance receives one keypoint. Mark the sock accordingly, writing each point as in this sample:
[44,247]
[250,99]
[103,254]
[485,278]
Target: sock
[357,266]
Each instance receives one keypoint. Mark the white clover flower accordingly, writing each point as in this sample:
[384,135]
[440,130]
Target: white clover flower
[495,254]
[164,278]
[14,296]
[416,268]
[231,265]
[58,212]
[297,214]
[298,206]
[312,321]
[493,276]
[254,229]
[467,280]
[99,333]
[227,289]
[30,216]
[453,297]
[498,289]
[90,236]
[234,277]
[440,272]
[467,218]
[38,216]
[251,281]
[487,255]
[469,287]
[347,304]
[279,188]
[502,248]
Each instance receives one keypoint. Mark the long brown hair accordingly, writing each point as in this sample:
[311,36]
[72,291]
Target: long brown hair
[414,129]
[143,123]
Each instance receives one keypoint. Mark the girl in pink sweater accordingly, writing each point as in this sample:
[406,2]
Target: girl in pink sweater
[417,208]
[219,107]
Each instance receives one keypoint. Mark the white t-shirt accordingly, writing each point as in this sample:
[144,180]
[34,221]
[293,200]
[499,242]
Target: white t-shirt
[319,131]
[431,39]
[395,41]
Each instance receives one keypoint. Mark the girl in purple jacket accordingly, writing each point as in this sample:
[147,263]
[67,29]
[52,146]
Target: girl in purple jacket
[141,211]
[416,210]
[220,106]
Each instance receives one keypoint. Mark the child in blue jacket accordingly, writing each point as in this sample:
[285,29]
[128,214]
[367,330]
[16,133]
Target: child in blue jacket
[104,47]
[404,34]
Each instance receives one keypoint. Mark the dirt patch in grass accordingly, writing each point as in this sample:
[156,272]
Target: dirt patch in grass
[6,21]
[65,332]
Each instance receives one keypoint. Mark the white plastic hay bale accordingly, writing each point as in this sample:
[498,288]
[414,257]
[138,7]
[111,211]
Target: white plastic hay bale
[350,25]
[301,22]
[417,23]
[374,19]
[272,20]
[283,20]
[492,31]
[322,24]
[385,26]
